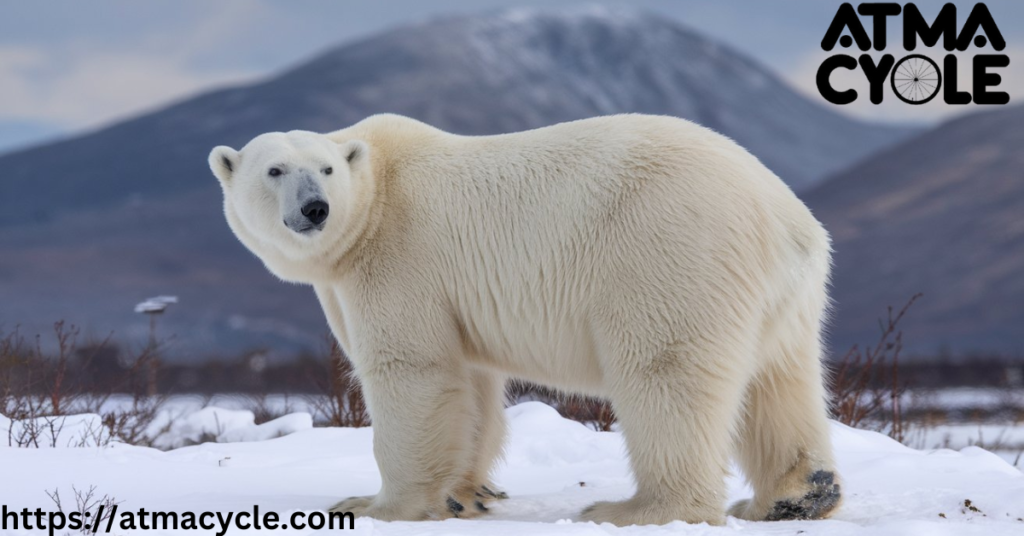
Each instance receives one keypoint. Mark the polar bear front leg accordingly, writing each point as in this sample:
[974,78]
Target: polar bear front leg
[418,405]
[477,490]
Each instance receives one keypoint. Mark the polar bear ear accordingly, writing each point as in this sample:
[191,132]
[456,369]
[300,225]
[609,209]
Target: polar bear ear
[223,162]
[356,152]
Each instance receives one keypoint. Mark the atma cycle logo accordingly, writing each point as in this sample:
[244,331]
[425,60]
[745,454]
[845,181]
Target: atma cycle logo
[915,78]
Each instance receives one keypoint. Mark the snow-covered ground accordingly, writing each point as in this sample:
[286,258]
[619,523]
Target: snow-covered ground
[554,467]
[1003,438]
[1007,441]
[961,398]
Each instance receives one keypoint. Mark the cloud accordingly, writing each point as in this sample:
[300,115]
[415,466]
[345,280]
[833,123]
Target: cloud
[92,88]
[93,66]
[82,84]
[803,76]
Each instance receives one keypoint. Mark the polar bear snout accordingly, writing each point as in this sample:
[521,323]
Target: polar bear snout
[308,215]
[316,211]
[303,204]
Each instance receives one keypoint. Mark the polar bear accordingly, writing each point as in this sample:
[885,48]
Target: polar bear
[640,258]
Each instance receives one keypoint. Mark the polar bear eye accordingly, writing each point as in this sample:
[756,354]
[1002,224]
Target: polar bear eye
[274,172]
[328,171]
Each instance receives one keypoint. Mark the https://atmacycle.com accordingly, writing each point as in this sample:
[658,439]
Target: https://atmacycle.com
[109,520]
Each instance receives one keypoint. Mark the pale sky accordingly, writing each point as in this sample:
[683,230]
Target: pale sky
[67,66]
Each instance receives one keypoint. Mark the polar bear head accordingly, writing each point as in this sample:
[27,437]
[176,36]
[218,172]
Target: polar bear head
[289,196]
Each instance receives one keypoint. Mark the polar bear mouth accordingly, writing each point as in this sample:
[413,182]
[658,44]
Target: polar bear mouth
[305,228]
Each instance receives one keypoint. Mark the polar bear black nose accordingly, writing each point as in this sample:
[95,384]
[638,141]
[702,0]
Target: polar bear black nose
[315,211]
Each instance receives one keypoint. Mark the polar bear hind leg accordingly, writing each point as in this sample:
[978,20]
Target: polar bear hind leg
[784,444]
[676,405]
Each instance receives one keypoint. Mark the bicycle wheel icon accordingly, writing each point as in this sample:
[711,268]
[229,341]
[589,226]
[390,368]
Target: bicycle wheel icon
[916,79]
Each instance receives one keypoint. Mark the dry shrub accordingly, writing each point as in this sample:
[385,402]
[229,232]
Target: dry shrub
[40,390]
[866,386]
[593,412]
[341,403]
[133,424]
[264,409]
[88,505]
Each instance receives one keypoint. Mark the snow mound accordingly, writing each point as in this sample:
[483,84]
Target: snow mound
[278,427]
[215,424]
[207,424]
[554,468]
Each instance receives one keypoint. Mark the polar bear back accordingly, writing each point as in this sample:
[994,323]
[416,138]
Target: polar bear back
[537,239]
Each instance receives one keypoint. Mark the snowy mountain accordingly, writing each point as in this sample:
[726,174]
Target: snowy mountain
[91,225]
[941,214]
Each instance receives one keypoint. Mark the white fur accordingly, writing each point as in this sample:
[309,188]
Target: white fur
[641,258]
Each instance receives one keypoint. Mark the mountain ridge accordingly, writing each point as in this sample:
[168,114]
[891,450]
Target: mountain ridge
[99,222]
[941,214]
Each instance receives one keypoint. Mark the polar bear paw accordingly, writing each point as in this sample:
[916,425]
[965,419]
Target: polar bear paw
[817,503]
[356,505]
[634,512]
[489,494]
[472,500]
[367,507]
[820,498]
